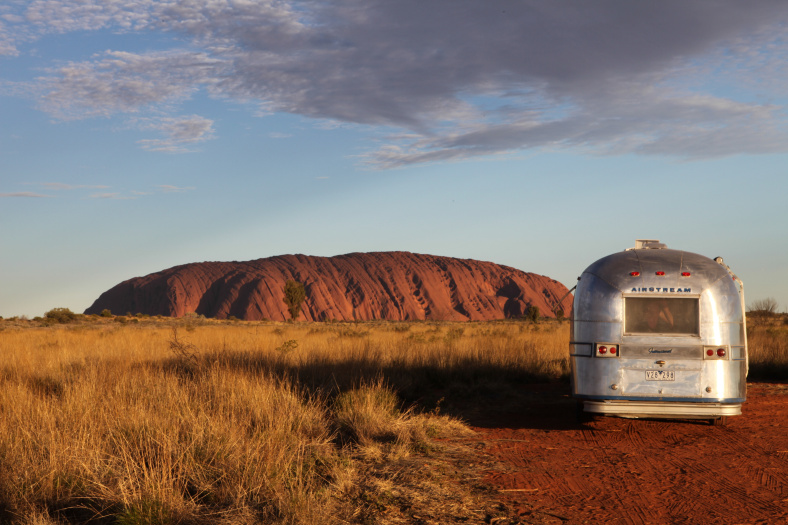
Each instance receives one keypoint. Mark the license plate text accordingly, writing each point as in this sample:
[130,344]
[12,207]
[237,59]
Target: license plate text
[660,375]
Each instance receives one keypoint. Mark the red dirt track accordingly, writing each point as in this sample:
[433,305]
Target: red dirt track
[627,471]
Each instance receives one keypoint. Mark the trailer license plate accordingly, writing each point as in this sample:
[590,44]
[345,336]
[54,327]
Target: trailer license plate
[660,375]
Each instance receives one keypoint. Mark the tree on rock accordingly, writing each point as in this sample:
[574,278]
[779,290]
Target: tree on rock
[294,296]
[532,314]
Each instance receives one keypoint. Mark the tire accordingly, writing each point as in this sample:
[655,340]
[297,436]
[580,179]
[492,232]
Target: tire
[581,415]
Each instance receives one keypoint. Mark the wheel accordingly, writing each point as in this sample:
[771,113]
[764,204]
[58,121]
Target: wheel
[719,421]
[582,415]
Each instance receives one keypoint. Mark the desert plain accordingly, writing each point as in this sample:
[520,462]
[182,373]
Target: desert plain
[139,419]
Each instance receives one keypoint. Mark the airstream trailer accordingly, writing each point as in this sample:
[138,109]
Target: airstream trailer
[659,333]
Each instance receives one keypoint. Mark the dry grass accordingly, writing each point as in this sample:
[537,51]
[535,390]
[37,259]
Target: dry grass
[196,421]
[205,422]
[767,340]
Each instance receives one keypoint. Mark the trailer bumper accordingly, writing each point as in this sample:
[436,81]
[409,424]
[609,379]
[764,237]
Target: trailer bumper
[655,409]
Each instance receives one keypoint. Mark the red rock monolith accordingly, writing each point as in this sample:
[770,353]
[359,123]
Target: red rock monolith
[397,286]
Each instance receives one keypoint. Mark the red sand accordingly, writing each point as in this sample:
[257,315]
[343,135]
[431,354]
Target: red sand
[552,470]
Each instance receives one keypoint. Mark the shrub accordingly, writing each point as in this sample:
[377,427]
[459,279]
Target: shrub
[532,314]
[294,296]
[288,346]
[105,313]
[763,307]
[60,315]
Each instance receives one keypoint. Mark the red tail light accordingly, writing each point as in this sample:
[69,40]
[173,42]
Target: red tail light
[634,274]
[660,273]
[606,350]
[685,274]
[715,352]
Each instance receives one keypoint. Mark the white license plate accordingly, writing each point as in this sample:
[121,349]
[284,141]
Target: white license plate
[660,375]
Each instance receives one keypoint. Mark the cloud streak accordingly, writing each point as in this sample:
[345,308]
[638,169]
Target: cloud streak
[25,194]
[446,79]
[58,186]
[179,132]
[123,194]
[168,188]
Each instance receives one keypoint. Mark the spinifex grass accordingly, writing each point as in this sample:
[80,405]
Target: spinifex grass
[245,422]
[767,340]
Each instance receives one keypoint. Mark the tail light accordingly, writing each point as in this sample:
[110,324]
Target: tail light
[606,350]
[660,273]
[715,352]
[634,274]
[685,274]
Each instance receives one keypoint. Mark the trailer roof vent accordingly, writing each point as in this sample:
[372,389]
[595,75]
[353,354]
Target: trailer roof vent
[648,244]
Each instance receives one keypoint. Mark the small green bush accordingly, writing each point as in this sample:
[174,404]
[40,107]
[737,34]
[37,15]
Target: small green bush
[532,314]
[60,315]
[294,296]
[105,313]
[288,346]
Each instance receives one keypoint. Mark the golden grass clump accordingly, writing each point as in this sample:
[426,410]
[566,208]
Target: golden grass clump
[767,341]
[142,444]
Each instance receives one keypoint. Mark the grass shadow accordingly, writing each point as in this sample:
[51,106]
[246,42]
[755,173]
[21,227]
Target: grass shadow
[476,392]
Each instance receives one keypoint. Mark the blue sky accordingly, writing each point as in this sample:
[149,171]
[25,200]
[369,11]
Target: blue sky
[139,135]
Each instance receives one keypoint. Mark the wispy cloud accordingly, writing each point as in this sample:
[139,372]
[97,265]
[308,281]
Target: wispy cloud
[122,82]
[179,132]
[7,45]
[56,186]
[114,195]
[25,194]
[448,80]
[135,194]
[71,189]
[167,188]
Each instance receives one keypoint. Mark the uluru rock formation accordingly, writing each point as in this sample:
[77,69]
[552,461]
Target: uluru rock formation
[395,286]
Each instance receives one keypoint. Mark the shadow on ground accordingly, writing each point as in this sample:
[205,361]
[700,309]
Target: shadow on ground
[477,393]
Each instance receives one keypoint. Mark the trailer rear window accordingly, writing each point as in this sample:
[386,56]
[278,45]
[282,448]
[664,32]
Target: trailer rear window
[661,315]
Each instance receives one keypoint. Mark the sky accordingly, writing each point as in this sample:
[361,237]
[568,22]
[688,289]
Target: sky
[137,135]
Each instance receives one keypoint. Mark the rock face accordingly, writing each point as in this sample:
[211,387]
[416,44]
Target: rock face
[358,286]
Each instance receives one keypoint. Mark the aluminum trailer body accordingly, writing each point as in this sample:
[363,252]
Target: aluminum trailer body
[659,333]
